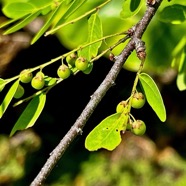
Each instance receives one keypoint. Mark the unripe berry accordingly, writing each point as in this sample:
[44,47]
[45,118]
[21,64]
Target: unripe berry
[70,59]
[121,106]
[19,92]
[38,81]
[138,127]
[138,100]
[81,63]
[63,71]
[26,76]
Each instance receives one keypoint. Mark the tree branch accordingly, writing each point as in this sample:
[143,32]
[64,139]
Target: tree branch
[135,32]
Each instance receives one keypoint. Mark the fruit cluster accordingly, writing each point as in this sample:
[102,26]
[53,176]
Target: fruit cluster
[73,63]
[137,127]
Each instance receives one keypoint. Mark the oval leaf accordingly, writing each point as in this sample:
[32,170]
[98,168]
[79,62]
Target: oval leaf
[2,84]
[17,9]
[107,133]
[47,24]
[94,32]
[153,95]
[30,114]
[174,14]
[4,105]
[22,23]
[130,8]
[181,77]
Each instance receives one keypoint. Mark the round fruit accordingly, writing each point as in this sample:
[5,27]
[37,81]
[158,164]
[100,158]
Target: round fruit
[38,81]
[81,63]
[40,74]
[26,76]
[19,92]
[70,59]
[120,107]
[138,127]
[138,100]
[63,71]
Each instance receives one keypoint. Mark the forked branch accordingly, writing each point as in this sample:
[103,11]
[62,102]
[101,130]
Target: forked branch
[135,34]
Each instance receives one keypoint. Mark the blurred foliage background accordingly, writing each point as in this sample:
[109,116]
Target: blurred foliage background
[156,158]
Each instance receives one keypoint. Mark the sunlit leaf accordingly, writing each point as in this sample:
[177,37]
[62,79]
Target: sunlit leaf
[22,23]
[153,95]
[107,133]
[94,32]
[2,84]
[73,7]
[181,77]
[6,101]
[18,9]
[46,25]
[130,8]
[174,14]
[30,114]
[49,81]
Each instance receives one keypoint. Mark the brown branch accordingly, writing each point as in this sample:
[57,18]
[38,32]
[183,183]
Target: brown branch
[135,32]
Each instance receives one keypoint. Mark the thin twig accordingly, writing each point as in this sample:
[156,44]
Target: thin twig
[108,82]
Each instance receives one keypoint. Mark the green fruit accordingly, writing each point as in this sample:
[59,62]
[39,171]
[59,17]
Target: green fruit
[38,81]
[19,92]
[138,127]
[81,63]
[121,106]
[138,100]
[26,76]
[40,74]
[70,59]
[63,71]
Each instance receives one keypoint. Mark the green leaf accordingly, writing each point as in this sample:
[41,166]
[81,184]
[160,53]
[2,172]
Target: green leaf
[46,25]
[73,7]
[49,81]
[2,84]
[107,133]
[10,94]
[41,3]
[175,14]
[153,95]
[130,8]
[6,23]
[181,77]
[94,32]
[22,23]
[18,9]
[30,114]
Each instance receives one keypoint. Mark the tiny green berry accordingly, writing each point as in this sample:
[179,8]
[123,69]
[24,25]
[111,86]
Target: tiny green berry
[81,63]
[70,59]
[138,127]
[63,71]
[121,106]
[40,74]
[38,81]
[138,100]
[19,92]
[26,76]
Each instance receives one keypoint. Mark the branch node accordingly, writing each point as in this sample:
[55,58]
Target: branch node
[78,130]
[131,31]
[140,48]
[151,2]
